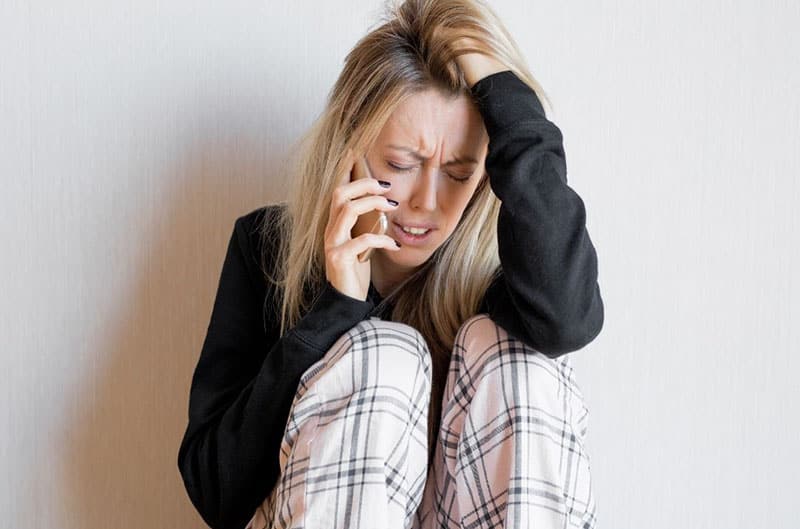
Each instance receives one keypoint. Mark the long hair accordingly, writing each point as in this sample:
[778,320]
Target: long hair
[409,52]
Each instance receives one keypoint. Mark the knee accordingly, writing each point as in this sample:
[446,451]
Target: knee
[389,354]
[478,333]
[489,355]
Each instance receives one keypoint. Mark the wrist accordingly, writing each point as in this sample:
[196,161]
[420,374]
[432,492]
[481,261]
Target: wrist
[476,66]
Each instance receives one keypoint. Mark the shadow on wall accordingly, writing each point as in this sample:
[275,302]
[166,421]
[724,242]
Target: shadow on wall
[120,465]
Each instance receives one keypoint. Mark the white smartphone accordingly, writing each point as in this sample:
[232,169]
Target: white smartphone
[375,220]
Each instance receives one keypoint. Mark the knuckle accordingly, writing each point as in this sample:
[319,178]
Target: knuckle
[334,256]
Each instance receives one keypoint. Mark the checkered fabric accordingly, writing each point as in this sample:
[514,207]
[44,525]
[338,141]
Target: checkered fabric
[511,450]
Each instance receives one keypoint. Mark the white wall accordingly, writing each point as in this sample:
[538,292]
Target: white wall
[132,134]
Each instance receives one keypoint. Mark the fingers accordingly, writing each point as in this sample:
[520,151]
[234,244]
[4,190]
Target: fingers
[353,190]
[359,194]
[358,184]
[343,255]
[366,241]
[349,212]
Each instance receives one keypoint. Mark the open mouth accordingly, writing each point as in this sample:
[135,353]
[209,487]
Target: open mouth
[406,237]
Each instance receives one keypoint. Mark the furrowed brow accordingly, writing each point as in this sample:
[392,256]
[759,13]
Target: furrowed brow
[456,160]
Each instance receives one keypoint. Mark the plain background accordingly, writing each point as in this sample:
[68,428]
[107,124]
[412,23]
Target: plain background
[134,133]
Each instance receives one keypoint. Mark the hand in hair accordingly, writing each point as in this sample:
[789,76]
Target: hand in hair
[476,65]
[353,198]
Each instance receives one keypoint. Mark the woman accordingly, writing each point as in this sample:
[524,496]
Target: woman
[429,385]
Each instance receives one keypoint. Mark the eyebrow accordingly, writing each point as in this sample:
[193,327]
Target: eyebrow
[455,161]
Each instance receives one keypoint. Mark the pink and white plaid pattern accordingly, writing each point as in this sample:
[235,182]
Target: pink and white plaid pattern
[511,450]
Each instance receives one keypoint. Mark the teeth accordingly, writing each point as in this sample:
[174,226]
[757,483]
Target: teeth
[415,231]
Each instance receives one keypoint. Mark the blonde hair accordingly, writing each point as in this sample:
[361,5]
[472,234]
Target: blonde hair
[410,51]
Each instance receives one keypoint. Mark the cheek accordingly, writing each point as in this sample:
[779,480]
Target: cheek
[457,205]
[458,198]
[380,172]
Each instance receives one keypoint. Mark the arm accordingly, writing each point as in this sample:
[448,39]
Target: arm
[547,293]
[244,384]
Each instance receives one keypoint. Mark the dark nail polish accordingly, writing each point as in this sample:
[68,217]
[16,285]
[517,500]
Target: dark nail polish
[397,243]
[384,183]
[392,202]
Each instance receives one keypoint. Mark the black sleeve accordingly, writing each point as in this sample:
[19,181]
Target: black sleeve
[244,384]
[547,293]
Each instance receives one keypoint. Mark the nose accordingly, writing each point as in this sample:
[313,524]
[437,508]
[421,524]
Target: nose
[424,193]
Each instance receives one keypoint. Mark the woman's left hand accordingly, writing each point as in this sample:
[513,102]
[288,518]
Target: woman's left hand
[475,65]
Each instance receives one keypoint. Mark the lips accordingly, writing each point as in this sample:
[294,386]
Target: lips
[425,226]
[409,238]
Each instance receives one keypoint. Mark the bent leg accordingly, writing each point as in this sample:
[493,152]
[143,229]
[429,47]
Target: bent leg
[354,453]
[511,450]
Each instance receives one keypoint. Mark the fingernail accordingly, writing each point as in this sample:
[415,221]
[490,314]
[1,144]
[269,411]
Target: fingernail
[384,183]
[392,202]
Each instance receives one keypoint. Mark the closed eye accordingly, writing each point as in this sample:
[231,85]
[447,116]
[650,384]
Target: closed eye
[393,166]
[461,179]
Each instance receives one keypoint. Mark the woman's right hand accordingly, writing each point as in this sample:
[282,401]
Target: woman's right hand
[351,199]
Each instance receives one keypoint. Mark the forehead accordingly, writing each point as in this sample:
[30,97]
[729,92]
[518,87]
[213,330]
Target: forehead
[426,120]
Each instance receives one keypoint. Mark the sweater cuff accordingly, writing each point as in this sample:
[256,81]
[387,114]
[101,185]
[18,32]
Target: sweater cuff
[332,314]
[505,100]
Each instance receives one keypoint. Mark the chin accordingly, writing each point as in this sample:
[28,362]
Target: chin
[407,256]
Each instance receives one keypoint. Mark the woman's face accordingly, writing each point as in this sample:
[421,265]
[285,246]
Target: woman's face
[432,150]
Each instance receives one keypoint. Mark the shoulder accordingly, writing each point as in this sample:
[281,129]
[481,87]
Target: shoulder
[255,219]
[255,223]
[255,237]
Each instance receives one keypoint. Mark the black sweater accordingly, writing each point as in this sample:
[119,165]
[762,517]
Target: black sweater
[246,377]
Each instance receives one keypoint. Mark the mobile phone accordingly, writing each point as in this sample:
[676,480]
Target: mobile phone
[372,221]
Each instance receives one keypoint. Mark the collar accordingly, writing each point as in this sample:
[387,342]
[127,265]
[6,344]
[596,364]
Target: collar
[372,294]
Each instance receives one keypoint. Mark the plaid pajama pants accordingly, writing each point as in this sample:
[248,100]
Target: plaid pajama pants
[510,451]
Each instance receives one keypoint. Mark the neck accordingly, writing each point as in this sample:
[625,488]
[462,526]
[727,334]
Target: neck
[386,276]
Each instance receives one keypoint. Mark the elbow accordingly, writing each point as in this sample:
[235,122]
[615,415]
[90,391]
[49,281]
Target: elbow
[575,329]
[198,486]
[569,339]
[198,465]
